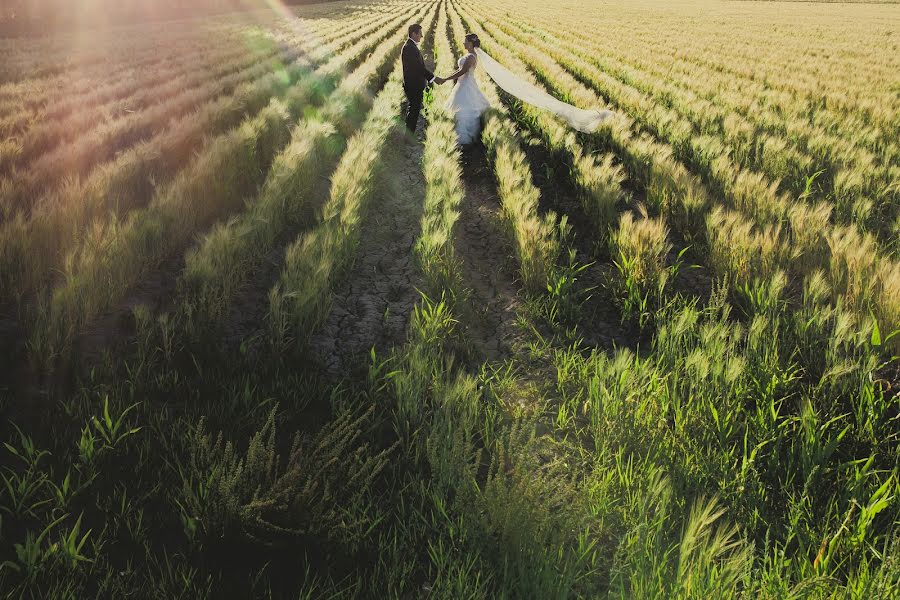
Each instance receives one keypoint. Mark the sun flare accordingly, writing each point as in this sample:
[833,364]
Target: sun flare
[449,299]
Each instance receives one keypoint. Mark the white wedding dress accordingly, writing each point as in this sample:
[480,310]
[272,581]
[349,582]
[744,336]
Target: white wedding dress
[584,120]
[466,104]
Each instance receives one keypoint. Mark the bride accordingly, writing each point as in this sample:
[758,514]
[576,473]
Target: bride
[467,102]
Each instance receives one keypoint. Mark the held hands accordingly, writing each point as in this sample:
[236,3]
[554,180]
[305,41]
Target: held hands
[440,80]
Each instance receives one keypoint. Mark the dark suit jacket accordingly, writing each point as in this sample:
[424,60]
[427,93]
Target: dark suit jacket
[415,75]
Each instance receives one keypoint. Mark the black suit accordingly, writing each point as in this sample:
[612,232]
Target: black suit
[416,78]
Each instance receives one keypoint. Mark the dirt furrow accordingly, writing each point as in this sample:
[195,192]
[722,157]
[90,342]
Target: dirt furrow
[372,304]
[486,262]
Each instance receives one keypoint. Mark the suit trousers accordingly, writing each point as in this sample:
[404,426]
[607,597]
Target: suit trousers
[414,107]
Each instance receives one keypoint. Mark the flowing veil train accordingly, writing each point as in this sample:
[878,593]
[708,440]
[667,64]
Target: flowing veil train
[583,120]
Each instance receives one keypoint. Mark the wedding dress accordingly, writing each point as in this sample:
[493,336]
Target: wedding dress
[466,104]
[583,120]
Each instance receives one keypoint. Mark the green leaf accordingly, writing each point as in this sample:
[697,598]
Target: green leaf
[876,333]
[106,417]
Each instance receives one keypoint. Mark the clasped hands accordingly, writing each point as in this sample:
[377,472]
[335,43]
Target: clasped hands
[440,80]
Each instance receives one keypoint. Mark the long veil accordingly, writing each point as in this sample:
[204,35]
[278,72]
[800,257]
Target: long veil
[580,119]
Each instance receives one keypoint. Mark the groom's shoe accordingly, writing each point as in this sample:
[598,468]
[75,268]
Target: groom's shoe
[408,136]
[412,136]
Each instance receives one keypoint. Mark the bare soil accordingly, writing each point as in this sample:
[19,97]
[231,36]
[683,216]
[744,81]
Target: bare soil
[486,262]
[372,303]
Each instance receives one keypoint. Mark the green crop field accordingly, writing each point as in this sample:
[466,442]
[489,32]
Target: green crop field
[259,342]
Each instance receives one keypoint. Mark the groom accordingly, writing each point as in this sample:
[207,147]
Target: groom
[416,77]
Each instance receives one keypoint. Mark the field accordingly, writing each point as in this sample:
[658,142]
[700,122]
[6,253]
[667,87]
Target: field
[258,341]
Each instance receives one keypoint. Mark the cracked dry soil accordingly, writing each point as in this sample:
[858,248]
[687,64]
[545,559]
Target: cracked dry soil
[485,258]
[372,303]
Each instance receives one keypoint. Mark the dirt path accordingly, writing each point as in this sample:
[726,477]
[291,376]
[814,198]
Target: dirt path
[486,262]
[372,303]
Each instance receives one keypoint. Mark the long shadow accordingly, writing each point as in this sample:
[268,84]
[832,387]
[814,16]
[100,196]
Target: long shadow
[486,261]
[599,323]
[373,301]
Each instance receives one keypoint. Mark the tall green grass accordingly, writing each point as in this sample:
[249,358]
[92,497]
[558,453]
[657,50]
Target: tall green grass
[746,448]
[30,249]
[537,238]
[215,185]
[313,262]
[287,201]
[671,189]
[640,248]
[598,182]
[443,184]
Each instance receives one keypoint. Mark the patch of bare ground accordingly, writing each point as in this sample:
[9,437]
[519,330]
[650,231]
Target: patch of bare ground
[485,261]
[372,303]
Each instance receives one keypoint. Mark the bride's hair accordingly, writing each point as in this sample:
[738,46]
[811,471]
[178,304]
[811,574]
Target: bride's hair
[474,40]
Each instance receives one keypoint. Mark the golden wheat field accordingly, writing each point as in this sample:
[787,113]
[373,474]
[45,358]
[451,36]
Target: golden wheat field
[260,341]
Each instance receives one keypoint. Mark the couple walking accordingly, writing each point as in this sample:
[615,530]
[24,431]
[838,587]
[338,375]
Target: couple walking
[466,102]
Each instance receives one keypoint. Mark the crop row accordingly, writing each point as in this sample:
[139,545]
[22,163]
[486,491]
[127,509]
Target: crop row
[740,246]
[301,298]
[153,49]
[639,244]
[172,48]
[46,63]
[770,110]
[46,58]
[537,238]
[443,185]
[31,250]
[632,429]
[56,93]
[103,127]
[101,142]
[30,100]
[860,188]
[288,200]
[472,475]
[831,76]
[597,179]
[213,186]
[133,84]
[431,325]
